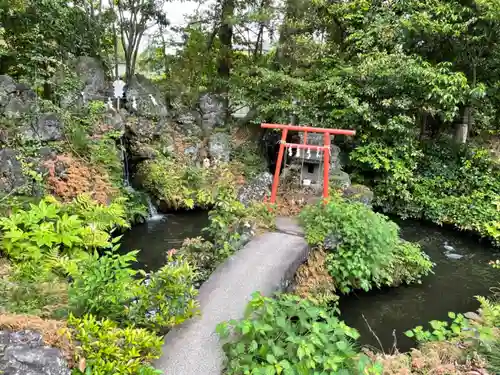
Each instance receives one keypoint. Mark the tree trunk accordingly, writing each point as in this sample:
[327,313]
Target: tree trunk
[226,54]
[422,118]
[462,128]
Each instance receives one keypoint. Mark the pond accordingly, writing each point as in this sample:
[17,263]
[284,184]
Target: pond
[451,288]
[156,236]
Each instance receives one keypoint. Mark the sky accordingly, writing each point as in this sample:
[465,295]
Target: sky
[176,11]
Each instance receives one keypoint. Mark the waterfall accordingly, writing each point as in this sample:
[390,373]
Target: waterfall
[153,212]
[126,171]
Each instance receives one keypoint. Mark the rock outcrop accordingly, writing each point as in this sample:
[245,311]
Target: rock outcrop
[358,193]
[150,101]
[23,353]
[19,108]
[257,189]
[219,147]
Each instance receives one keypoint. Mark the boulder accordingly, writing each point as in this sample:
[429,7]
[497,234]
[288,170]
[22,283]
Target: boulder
[339,179]
[16,100]
[257,189]
[7,88]
[188,123]
[358,193]
[150,101]
[23,353]
[93,82]
[212,112]
[11,171]
[93,76]
[219,147]
[48,127]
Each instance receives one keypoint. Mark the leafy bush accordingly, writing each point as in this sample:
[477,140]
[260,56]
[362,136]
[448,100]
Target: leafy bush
[408,265]
[51,237]
[289,335]
[364,241]
[441,330]
[103,285]
[47,299]
[109,350]
[437,182]
[185,186]
[363,247]
[202,255]
[165,298]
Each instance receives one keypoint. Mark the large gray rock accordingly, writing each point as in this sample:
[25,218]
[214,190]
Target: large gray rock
[212,112]
[219,146]
[358,193]
[16,99]
[7,88]
[150,101]
[188,122]
[11,172]
[92,74]
[23,353]
[48,127]
[339,179]
[267,264]
[257,189]
[93,82]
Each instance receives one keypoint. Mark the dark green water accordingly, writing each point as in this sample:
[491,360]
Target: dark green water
[155,237]
[451,288]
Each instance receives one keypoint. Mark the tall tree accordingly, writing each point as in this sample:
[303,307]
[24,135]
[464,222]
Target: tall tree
[135,17]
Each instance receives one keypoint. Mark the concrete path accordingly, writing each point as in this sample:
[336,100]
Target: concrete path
[266,264]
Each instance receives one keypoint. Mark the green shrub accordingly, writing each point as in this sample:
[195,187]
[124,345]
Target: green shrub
[408,265]
[441,330]
[363,247]
[438,182]
[363,242]
[47,299]
[50,236]
[292,336]
[103,285]
[202,255]
[110,350]
[185,186]
[166,298]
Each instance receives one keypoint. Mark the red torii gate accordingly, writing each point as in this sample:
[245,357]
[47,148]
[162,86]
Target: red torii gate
[325,149]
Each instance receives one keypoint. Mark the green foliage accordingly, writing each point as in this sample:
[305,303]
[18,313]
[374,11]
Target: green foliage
[166,298]
[408,265]
[292,336]
[103,285]
[366,241]
[186,186]
[454,186]
[110,350]
[50,237]
[47,299]
[250,157]
[440,330]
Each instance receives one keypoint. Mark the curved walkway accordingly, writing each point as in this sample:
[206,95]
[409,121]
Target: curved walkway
[266,264]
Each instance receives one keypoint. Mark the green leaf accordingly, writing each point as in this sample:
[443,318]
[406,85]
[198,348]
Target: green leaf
[271,359]
[409,333]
